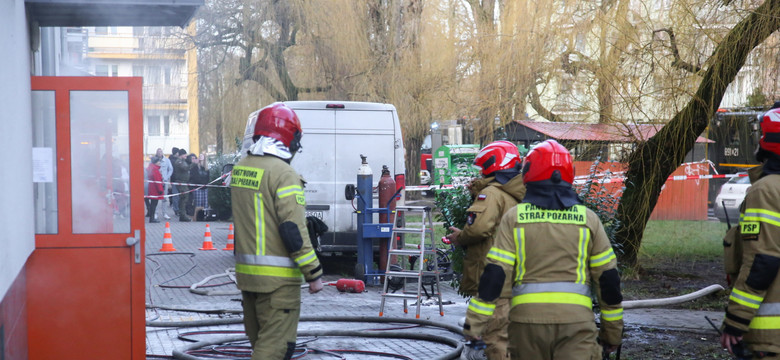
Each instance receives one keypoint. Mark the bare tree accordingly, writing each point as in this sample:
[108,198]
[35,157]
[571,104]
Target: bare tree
[654,160]
[611,62]
[373,51]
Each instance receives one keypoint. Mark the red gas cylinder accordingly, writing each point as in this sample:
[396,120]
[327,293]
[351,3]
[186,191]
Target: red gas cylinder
[350,285]
[386,195]
[386,192]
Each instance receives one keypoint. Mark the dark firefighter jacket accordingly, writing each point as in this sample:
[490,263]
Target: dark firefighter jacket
[491,201]
[272,244]
[554,258]
[752,259]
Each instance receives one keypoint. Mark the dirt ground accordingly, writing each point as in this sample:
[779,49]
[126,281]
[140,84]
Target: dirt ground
[667,278]
[644,343]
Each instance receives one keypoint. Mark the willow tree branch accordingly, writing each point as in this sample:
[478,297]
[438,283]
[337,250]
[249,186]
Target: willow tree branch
[678,62]
[572,67]
[536,104]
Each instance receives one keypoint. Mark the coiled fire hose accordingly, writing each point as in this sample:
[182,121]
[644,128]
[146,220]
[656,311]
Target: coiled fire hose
[456,345]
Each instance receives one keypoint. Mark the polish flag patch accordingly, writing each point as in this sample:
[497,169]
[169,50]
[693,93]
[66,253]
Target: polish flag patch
[481,197]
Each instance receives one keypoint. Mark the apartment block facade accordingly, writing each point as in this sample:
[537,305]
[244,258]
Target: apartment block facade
[165,60]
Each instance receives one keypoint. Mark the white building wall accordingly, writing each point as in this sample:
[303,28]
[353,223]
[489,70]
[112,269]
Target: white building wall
[17,238]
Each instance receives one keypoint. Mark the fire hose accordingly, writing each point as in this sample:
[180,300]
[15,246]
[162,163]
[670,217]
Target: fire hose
[636,304]
[458,346]
[628,304]
[230,273]
[452,354]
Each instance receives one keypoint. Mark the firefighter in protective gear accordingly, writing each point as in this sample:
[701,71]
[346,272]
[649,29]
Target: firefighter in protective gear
[752,256]
[272,246]
[553,249]
[498,190]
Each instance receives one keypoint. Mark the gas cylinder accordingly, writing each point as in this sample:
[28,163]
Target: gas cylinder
[365,247]
[350,285]
[386,192]
[364,169]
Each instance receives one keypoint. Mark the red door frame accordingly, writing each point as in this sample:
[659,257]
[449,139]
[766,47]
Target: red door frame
[65,240]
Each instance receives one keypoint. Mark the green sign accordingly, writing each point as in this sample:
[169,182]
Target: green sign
[454,164]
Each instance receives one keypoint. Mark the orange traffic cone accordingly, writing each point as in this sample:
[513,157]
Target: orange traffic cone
[230,239]
[167,239]
[207,244]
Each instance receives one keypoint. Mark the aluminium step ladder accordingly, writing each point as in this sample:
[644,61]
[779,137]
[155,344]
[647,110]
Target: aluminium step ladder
[426,253]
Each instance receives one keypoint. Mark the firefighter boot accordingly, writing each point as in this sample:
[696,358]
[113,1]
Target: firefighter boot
[474,350]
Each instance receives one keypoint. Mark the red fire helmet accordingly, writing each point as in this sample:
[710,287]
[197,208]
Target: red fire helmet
[498,155]
[770,131]
[542,161]
[281,123]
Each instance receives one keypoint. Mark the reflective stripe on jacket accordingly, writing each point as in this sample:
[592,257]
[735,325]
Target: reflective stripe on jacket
[754,303]
[266,192]
[553,257]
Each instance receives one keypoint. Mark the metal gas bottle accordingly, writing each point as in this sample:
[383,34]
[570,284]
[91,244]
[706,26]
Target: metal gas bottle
[386,199]
[364,169]
[386,193]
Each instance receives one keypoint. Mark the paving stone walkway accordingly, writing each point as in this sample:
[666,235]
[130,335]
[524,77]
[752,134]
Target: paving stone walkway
[169,276]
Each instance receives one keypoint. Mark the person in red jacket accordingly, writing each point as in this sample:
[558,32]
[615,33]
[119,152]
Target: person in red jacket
[155,187]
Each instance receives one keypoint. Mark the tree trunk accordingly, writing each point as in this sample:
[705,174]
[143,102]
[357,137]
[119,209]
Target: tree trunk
[654,160]
[412,147]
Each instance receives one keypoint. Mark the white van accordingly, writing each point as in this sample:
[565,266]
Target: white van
[335,134]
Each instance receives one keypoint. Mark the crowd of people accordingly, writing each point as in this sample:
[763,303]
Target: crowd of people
[177,181]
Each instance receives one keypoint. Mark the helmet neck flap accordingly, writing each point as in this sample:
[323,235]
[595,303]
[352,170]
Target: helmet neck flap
[548,195]
[268,145]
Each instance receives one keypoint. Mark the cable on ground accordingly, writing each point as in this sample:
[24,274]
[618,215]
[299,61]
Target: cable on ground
[154,271]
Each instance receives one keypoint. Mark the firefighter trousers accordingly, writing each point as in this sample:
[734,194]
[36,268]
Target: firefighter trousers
[496,335]
[576,341]
[271,322]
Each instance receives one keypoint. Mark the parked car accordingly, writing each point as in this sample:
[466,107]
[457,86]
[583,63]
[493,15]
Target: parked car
[730,197]
[426,159]
[425,177]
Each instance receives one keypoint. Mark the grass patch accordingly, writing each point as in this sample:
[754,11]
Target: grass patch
[414,221]
[682,240]
[676,258]
[438,233]
[413,218]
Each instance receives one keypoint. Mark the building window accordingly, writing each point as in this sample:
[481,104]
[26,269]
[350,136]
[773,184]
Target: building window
[167,125]
[153,75]
[101,70]
[138,31]
[114,70]
[167,76]
[101,30]
[153,126]
[155,30]
[138,70]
